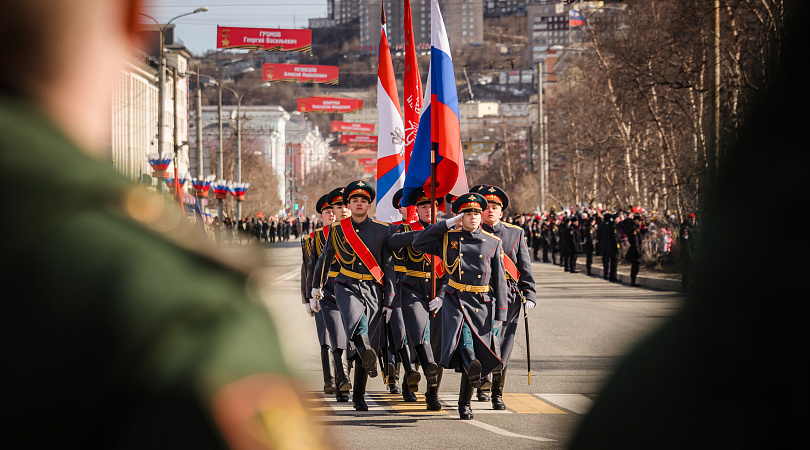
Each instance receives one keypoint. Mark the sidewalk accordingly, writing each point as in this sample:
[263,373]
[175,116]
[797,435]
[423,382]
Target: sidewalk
[646,278]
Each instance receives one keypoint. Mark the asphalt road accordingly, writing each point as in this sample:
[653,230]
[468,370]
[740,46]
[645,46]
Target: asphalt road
[579,330]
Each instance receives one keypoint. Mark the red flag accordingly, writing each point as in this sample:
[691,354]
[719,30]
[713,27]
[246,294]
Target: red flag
[178,194]
[413,96]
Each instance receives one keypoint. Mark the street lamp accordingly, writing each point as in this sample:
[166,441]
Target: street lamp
[200,168]
[239,137]
[162,72]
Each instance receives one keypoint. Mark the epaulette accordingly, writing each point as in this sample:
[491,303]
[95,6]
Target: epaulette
[512,225]
[454,231]
[490,234]
[381,223]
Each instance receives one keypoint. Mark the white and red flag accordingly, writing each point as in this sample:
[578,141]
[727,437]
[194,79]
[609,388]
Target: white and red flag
[391,142]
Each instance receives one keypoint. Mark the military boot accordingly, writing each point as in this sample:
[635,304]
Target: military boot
[359,392]
[432,394]
[410,382]
[367,354]
[392,373]
[481,395]
[342,384]
[498,379]
[464,396]
[472,367]
[424,354]
[328,379]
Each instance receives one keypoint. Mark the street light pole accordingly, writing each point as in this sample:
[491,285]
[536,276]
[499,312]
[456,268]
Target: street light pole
[239,138]
[162,73]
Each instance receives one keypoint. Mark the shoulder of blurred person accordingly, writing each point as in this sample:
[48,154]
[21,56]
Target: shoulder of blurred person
[127,328]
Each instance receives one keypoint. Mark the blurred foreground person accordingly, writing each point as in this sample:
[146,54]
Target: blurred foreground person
[730,369]
[124,336]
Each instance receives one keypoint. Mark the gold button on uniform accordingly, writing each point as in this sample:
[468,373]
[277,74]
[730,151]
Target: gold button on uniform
[480,256]
[479,276]
[461,239]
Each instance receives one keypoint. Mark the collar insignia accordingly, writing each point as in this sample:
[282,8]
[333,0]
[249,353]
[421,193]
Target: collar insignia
[454,245]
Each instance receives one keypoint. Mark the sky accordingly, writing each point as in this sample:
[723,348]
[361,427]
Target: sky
[198,31]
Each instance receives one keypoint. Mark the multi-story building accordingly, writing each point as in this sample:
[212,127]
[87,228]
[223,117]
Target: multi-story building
[134,119]
[463,19]
[338,12]
[547,26]
[135,124]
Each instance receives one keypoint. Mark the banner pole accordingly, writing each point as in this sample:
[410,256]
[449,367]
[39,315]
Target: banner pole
[434,147]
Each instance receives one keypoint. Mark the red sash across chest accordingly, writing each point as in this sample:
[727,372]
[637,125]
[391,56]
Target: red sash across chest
[360,249]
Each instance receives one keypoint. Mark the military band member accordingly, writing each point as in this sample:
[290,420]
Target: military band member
[520,280]
[330,314]
[472,259]
[415,291]
[325,210]
[361,287]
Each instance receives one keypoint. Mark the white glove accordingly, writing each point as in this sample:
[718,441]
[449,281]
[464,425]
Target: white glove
[309,310]
[497,323]
[388,314]
[315,304]
[451,222]
[435,304]
[530,304]
[316,293]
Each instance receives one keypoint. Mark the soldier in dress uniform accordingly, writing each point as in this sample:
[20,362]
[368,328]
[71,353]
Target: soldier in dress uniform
[307,244]
[472,259]
[563,238]
[519,276]
[361,287]
[399,354]
[415,293]
[332,318]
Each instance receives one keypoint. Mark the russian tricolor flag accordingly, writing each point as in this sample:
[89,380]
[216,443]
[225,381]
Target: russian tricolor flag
[439,123]
[391,142]
[575,18]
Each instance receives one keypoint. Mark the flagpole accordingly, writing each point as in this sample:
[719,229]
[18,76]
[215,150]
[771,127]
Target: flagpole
[434,148]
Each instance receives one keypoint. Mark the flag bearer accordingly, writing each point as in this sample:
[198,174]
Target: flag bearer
[415,293]
[361,287]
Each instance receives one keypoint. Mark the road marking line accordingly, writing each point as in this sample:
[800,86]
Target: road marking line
[397,404]
[451,401]
[503,432]
[528,404]
[577,403]
[284,277]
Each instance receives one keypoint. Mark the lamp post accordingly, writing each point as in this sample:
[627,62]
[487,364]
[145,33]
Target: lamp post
[200,171]
[239,138]
[162,72]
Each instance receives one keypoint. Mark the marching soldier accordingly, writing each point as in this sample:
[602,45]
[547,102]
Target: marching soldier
[325,210]
[472,259]
[398,347]
[520,280]
[361,287]
[415,293]
[330,314]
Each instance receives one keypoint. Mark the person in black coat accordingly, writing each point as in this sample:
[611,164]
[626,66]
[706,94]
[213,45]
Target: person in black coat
[574,243]
[587,232]
[564,236]
[687,238]
[553,239]
[634,252]
[608,236]
[537,238]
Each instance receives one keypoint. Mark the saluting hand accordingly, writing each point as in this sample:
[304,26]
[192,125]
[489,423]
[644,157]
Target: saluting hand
[451,222]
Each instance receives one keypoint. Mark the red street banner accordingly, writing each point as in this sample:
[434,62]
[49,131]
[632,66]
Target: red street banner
[370,169]
[329,105]
[366,161]
[265,39]
[352,127]
[357,139]
[301,73]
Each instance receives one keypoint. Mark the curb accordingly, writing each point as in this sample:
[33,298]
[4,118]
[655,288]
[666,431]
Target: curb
[658,284]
